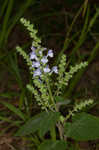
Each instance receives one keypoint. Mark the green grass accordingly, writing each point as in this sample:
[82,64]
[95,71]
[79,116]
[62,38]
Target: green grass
[10,60]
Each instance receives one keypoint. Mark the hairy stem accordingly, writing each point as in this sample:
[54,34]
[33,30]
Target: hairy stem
[53,133]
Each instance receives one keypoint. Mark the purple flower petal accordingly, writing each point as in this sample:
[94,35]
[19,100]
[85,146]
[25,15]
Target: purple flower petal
[33,56]
[40,52]
[46,69]
[54,69]
[36,64]
[44,49]
[33,48]
[44,60]
[50,53]
[37,72]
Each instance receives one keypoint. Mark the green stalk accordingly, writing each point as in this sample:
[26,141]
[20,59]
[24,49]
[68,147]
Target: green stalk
[50,93]
[81,72]
[8,12]
[66,45]
[52,130]
[3,8]
[73,22]
[82,37]
[67,38]
[21,11]
[93,54]
[85,7]
[53,133]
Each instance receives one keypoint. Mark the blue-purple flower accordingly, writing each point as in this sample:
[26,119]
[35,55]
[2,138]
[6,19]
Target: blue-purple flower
[33,56]
[36,64]
[44,49]
[37,72]
[33,48]
[44,60]
[40,52]
[55,69]
[39,68]
[47,69]
[50,53]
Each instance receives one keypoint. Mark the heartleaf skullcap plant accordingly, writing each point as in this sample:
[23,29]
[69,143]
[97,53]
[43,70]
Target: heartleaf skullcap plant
[38,62]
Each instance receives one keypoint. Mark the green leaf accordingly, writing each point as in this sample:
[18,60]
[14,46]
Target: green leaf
[9,94]
[53,145]
[13,65]
[61,101]
[41,122]
[83,127]
[48,121]
[14,109]
[10,121]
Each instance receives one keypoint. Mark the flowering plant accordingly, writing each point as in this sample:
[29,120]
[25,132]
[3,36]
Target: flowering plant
[48,95]
[42,73]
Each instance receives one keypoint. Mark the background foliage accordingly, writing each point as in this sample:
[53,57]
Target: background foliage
[66,26]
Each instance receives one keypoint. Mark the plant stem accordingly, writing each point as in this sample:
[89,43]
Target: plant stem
[60,129]
[6,18]
[50,93]
[53,133]
[81,72]
[52,130]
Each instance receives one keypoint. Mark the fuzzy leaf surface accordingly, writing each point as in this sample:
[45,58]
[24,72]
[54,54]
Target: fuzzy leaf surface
[53,145]
[83,127]
[41,122]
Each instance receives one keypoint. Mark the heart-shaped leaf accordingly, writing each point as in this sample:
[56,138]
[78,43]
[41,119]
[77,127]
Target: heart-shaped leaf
[84,127]
[53,145]
[41,122]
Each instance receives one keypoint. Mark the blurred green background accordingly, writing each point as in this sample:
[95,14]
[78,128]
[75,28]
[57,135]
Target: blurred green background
[66,26]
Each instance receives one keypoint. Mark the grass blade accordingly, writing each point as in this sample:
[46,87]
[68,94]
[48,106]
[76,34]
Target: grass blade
[5,23]
[3,8]
[14,109]
[81,72]
[21,11]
